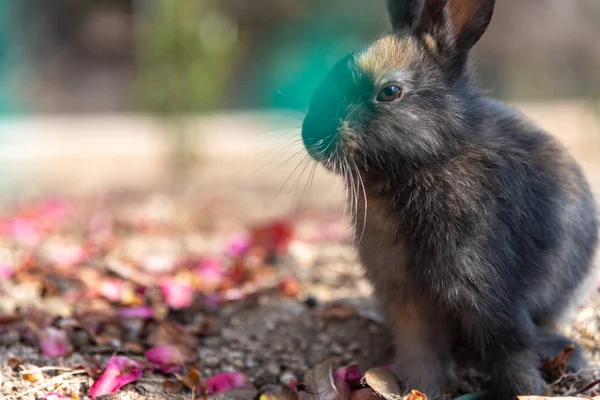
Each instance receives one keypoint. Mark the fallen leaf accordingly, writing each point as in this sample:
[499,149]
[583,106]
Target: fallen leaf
[159,264]
[167,333]
[225,382]
[415,395]
[351,374]
[167,359]
[274,237]
[557,368]
[337,312]
[209,275]
[14,362]
[192,379]
[6,270]
[384,382]
[112,290]
[24,231]
[289,287]
[53,342]
[139,312]
[238,246]
[172,386]
[6,319]
[119,372]
[177,294]
[321,383]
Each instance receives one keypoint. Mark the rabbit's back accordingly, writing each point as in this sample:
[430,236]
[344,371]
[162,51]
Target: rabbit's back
[559,233]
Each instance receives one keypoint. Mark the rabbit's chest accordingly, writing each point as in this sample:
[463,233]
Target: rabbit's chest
[381,250]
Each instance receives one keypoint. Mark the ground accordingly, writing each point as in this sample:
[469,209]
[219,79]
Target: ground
[308,304]
[228,275]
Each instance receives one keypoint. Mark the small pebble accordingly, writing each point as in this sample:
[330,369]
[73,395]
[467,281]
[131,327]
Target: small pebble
[251,362]
[311,302]
[287,378]
[273,369]
[7,386]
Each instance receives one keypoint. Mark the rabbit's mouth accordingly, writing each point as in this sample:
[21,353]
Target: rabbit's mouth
[320,136]
[328,141]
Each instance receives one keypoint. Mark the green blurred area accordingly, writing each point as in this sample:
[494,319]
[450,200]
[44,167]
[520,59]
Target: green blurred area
[179,56]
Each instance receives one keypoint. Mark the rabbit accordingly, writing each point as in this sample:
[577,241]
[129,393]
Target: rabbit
[472,224]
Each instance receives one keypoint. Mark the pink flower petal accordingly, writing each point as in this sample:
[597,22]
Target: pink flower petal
[211,271]
[25,231]
[53,342]
[178,294]
[54,211]
[112,289]
[225,382]
[167,359]
[66,254]
[6,270]
[119,372]
[238,246]
[159,264]
[139,312]
[350,373]
[100,224]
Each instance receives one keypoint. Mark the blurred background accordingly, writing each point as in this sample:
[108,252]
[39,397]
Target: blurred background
[137,93]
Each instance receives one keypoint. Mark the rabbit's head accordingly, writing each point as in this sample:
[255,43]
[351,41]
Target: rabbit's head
[406,100]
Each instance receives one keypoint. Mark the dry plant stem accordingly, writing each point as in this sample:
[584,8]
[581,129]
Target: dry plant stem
[49,382]
[128,273]
[589,386]
[48,368]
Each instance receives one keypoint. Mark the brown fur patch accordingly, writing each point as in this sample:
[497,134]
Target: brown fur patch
[388,54]
[430,43]
[462,12]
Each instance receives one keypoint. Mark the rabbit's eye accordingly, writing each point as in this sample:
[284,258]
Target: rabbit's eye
[390,94]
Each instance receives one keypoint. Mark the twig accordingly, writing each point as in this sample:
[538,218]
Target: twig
[49,382]
[589,386]
[48,368]
[126,272]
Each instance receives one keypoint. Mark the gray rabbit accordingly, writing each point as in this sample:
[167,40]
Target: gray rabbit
[473,224]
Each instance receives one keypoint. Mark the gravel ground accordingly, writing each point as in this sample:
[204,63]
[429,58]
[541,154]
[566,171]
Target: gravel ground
[270,338]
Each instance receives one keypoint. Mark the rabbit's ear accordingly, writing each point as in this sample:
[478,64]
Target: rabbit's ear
[404,14]
[455,24]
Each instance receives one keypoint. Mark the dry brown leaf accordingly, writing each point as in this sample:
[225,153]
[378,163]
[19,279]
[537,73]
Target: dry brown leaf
[9,319]
[557,368]
[415,395]
[320,382]
[192,380]
[14,362]
[167,333]
[337,312]
[384,382]
[172,386]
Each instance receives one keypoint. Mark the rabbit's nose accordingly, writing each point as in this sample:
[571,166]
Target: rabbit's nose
[319,136]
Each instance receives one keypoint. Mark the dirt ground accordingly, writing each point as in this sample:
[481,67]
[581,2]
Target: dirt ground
[272,339]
